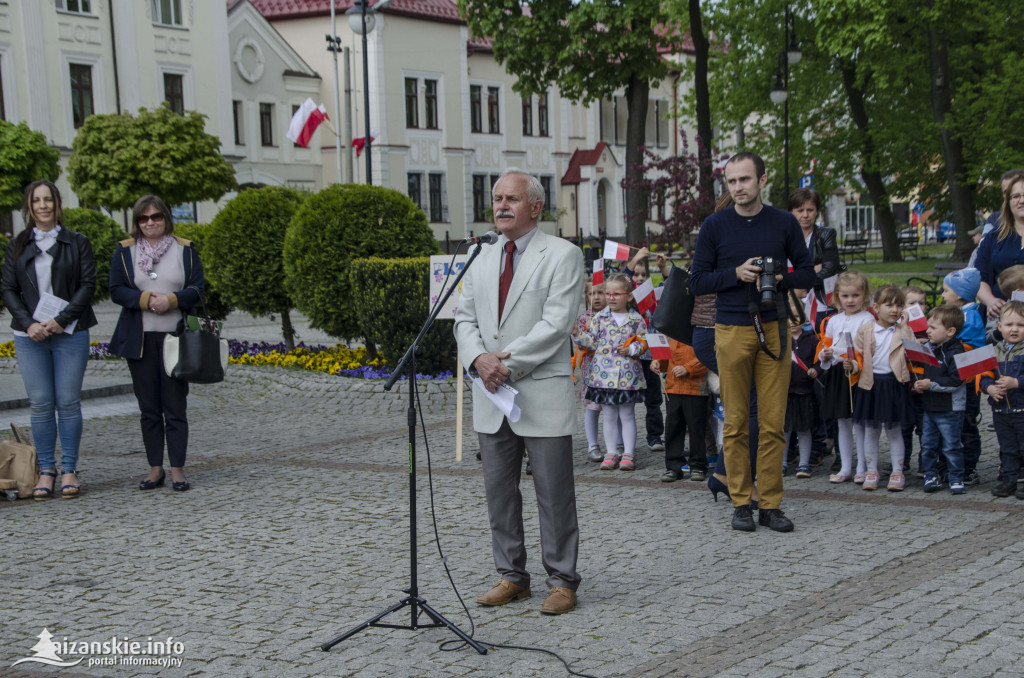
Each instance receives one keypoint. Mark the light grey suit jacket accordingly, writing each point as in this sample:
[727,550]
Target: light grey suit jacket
[540,313]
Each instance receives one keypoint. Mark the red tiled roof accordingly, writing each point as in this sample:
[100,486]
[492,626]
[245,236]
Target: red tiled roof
[580,158]
[434,10]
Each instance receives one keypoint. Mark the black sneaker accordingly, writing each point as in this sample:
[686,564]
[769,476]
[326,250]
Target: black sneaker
[1020,493]
[774,519]
[971,478]
[743,519]
[1004,488]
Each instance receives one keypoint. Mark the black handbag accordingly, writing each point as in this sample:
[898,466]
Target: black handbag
[672,316]
[197,355]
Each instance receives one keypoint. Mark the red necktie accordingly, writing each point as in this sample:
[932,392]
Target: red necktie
[505,281]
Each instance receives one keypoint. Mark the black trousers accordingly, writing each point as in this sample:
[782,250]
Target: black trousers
[682,413]
[162,402]
[652,401]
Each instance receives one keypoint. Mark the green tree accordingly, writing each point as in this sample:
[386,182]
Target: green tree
[335,226]
[25,156]
[117,158]
[590,50]
[103,233]
[244,252]
[216,304]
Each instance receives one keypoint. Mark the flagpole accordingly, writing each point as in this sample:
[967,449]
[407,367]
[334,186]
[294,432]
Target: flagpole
[335,45]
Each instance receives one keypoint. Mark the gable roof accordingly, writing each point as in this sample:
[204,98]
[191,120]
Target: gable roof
[581,157]
[431,10]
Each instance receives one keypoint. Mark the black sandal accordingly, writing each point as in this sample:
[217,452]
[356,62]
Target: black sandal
[47,492]
[71,491]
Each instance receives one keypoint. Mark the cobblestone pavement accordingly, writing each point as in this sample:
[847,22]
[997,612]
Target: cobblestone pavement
[296,530]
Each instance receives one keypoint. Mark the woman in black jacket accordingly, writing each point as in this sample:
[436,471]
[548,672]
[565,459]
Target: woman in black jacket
[805,205]
[156,278]
[49,277]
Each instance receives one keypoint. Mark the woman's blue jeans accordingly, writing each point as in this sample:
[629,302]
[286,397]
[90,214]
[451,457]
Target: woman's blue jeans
[52,370]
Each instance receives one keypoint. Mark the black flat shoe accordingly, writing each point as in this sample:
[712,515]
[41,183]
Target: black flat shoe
[180,486]
[148,484]
[774,519]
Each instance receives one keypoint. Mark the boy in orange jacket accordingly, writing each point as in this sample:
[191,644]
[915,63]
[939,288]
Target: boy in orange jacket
[687,409]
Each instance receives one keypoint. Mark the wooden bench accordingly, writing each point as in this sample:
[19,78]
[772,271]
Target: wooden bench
[908,245]
[852,248]
[932,285]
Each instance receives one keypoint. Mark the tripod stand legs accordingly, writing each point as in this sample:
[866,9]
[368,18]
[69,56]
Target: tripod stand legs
[416,602]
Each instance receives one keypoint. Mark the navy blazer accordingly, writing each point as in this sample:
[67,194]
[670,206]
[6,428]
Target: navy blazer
[127,338]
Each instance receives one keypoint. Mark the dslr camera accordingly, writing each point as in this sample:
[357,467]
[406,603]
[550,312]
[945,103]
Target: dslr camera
[770,267]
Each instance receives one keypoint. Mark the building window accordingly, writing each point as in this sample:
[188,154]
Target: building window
[236,113]
[475,109]
[620,109]
[416,188]
[527,116]
[479,197]
[662,123]
[267,124]
[174,92]
[438,208]
[492,111]
[167,12]
[549,198]
[75,6]
[430,102]
[295,109]
[412,103]
[81,93]
[542,114]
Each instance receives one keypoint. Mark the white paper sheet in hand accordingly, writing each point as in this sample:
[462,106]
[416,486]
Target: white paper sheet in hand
[48,308]
[504,399]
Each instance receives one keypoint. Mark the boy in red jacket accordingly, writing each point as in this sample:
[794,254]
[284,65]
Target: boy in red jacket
[687,409]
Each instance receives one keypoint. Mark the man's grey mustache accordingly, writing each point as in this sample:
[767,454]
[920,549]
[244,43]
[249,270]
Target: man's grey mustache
[504,213]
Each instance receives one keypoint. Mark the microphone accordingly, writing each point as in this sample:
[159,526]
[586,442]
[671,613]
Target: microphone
[488,238]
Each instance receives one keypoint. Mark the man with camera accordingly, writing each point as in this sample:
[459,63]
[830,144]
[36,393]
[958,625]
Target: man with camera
[741,256]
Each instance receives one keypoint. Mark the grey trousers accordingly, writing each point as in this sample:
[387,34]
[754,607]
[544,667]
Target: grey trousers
[551,459]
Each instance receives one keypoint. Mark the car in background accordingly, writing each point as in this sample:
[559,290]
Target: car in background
[947,231]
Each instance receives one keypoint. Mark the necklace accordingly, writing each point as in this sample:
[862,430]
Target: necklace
[152,275]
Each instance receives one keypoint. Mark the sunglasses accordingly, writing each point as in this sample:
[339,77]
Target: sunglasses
[155,218]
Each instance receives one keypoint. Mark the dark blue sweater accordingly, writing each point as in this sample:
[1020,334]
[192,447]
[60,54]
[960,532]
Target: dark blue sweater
[726,240]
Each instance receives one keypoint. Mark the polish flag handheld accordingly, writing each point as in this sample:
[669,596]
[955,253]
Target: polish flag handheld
[921,354]
[598,271]
[848,350]
[657,292]
[658,344]
[644,297]
[973,363]
[305,121]
[616,251]
[917,320]
[799,363]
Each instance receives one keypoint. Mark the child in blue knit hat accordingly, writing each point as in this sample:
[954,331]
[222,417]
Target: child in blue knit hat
[960,288]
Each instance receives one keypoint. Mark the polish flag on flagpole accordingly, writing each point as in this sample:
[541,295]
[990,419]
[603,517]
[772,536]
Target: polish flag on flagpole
[644,297]
[917,320]
[658,344]
[921,354]
[830,287]
[359,143]
[799,363]
[305,121]
[972,363]
[598,271]
[615,251]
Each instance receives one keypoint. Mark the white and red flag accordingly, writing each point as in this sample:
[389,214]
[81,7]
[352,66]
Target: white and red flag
[644,296]
[799,363]
[919,353]
[305,121]
[658,344]
[916,318]
[598,271]
[615,251]
[848,350]
[657,292]
[972,363]
[359,143]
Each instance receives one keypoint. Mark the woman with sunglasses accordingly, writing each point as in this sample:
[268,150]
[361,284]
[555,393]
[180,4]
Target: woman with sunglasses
[156,278]
[49,262]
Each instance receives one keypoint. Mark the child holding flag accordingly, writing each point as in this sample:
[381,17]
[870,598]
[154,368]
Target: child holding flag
[802,405]
[687,410]
[591,410]
[882,399]
[943,398]
[1006,396]
[960,288]
[617,336]
[918,320]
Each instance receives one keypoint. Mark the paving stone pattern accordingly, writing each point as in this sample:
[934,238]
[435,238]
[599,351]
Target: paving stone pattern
[296,530]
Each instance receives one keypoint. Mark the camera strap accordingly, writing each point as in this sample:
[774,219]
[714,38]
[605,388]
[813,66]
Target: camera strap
[755,318]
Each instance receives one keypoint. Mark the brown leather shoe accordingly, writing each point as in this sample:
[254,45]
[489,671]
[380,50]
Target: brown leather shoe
[560,601]
[503,592]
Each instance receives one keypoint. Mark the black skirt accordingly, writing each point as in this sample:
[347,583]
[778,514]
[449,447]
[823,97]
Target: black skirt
[801,412]
[888,402]
[835,401]
[611,396]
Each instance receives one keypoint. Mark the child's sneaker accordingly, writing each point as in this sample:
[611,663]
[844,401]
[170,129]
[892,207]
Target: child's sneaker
[611,462]
[896,482]
[626,464]
[957,487]
[972,478]
[932,483]
[871,480]
[803,471]
[594,453]
[697,475]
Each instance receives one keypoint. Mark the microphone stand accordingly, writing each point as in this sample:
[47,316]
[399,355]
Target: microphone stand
[416,603]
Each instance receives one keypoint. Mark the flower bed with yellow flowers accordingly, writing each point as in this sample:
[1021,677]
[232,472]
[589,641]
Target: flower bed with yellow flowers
[337,360]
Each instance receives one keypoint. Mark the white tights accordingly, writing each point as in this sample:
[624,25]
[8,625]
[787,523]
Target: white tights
[872,433]
[619,424]
[804,441]
[845,443]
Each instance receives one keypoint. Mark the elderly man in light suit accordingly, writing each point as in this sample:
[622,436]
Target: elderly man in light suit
[514,321]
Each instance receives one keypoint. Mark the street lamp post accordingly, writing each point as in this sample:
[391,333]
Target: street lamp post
[790,56]
[362,19]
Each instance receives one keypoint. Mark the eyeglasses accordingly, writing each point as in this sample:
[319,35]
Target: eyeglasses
[155,218]
[1017,197]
